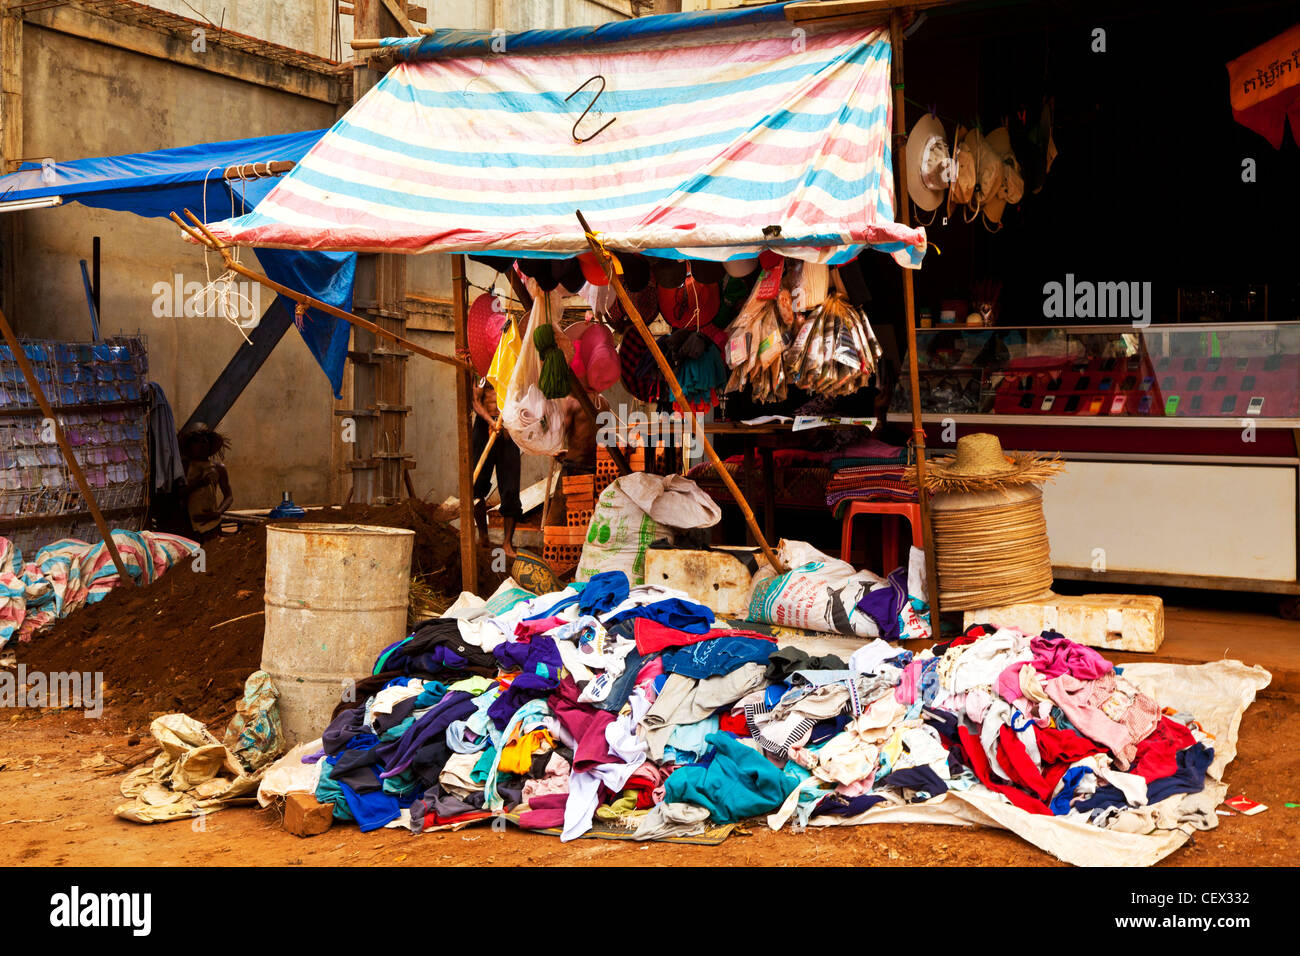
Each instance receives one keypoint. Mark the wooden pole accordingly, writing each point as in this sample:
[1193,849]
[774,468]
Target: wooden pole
[204,237]
[468,553]
[487,449]
[73,465]
[909,306]
[546,507]
[630,308]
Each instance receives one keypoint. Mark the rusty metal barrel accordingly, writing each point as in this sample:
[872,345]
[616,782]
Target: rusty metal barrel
[336,596]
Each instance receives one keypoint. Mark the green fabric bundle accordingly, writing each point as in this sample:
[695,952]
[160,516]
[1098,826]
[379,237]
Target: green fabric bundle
[554,380]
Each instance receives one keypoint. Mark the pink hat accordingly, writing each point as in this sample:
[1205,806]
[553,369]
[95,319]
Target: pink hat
[595,359]
[484,327]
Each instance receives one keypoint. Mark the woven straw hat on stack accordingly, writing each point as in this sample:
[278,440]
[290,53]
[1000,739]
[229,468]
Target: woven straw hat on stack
[990,535]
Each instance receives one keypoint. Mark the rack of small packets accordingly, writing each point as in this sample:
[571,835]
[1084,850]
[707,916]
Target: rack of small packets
[97,392]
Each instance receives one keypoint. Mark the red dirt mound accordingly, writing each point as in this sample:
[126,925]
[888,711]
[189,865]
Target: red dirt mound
[187,642]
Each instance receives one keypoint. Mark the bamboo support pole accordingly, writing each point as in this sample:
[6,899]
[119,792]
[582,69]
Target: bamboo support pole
[468,530]
[546,506]
[200,234]
[74,466]
[482,459]
[909,306]
[630,307]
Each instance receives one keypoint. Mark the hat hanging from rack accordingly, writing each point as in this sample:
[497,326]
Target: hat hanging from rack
[636,271]
[1011,183]
[484,326]
[988,171]
[928,163]
[668,273]
[739,268]
[962,188]
[694,304]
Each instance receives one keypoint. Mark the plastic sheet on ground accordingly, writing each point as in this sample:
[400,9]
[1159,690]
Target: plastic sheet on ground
[196,773]
[1218,694]
[69,574]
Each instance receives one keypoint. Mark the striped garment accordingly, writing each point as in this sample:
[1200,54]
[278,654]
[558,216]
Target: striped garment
[720,132]
[869,483]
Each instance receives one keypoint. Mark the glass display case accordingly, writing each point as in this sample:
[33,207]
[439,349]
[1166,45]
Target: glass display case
[1181,442]
[1157,373]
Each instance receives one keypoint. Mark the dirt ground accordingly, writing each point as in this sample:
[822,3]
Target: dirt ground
[56,809]
[187,642]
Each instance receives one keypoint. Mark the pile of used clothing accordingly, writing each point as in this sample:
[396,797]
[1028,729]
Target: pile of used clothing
[633,708]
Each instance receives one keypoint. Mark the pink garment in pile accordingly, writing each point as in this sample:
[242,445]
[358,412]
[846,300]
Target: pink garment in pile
[1109,710]
[1052,658]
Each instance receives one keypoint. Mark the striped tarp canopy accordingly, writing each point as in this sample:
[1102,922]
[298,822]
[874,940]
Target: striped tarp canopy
[730,132]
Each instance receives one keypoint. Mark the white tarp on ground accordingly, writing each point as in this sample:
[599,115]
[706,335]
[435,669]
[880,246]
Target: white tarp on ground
[1217,694]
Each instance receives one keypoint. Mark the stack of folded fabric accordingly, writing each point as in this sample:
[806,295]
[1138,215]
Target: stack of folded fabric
[633,708]
[878,482]
[869,470]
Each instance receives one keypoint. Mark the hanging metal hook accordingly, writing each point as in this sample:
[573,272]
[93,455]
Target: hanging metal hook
[574,131]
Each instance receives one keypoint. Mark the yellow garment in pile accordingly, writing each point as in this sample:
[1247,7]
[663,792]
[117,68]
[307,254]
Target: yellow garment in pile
[517,754]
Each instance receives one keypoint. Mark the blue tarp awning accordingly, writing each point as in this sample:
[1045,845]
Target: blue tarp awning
[157,183]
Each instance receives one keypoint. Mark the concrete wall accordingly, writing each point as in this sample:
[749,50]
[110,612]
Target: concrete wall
[83,98]
[300,24]
[87,99]
[305,24]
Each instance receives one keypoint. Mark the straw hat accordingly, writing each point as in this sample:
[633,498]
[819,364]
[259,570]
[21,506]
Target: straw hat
[988,169]
[1011,187]
[980,465]
[927,163]
[962,187]
[978,456]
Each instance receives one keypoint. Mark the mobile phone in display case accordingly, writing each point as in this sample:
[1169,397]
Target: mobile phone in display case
[1118,403]
[1256,405]
[1048,402]
[1229,402]
[1171,406]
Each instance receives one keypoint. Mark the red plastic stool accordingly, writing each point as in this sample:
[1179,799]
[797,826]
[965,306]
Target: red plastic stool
[889,533]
